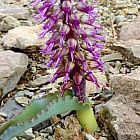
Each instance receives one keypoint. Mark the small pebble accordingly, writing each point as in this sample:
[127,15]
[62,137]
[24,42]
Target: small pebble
[2,114]
[89,137]
[2,120]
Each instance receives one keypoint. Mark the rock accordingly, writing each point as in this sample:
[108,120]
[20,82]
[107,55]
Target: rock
[24,93]
[102,138]
[12,67]
[122,3]
[112,57]
[3,115]
[19,2]
[71,129]
[91,87]
[106,51]
[120,118]
[131,10]
[130,31]
[1,48]
[120,18]
[40,81]
[128,85]
[136,50]
[39,138]
[22,37]
[49,130]
[89,137]
[22,100]
[120,114]
[2,120]
[9,22]
[15,138]
[28,134]
[18,12]
[11,108]
[130,49]
[29,94]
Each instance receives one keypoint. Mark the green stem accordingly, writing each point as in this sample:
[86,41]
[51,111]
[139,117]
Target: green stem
[87,119]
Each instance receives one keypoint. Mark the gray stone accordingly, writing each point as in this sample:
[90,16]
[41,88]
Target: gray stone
[2,120]
[121,114]
[120,18]
[28,134]
[89,137]
[22,37]
[40,81]
[130,49]
[19,2]
[11,108]
[1,48]
[18,12]
[130,31]
[122,3]
[102,138]
[136,50]
[9,22]
[24,93]
[12,67]
[119,117]
[133,10]
[23,101]
[112,57]
[3,115]
[15,138]
[91,87]
[128,85]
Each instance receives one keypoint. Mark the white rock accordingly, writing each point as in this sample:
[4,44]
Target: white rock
[130,31]
[136,50]
[89,137]
[18,12]
[15,138]
[28,134]
[3,115]
[122,3]
[9,22]
[120,18]
[19,2]
[22,37]
[22,100]
[91,87]
[130,49]
[12,67]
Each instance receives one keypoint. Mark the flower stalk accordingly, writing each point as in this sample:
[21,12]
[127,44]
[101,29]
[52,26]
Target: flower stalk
[73,48]
[75,43]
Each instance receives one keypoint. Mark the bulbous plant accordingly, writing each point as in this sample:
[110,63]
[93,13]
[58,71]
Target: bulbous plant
[74,50]
[74,46]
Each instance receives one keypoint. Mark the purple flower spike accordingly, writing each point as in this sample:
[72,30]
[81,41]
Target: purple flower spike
[64,30]
[69,67]
[36,2]
[71,45]
[75,42]
[67,6]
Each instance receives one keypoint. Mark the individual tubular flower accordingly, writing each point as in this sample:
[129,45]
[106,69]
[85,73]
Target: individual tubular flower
[75,42]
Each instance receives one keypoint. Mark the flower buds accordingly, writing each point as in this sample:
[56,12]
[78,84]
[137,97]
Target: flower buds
[67,6]
[74,44]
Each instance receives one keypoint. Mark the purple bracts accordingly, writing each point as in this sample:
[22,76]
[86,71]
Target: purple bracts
[75,43]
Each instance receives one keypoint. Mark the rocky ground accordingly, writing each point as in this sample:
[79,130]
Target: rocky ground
[22,76]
